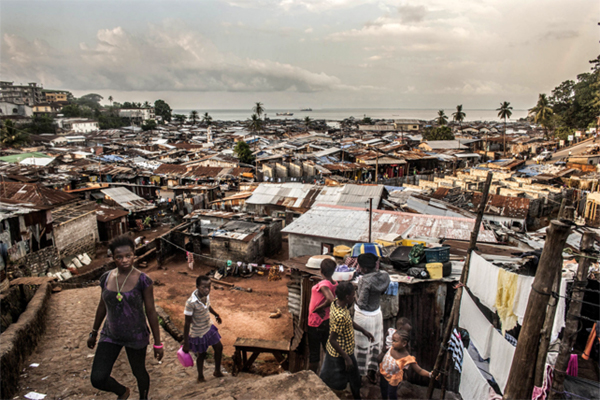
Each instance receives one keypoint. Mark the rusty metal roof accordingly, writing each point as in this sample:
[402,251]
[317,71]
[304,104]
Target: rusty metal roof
[504,206]
[170,169]
[105,214]
[352,224]
[34,193]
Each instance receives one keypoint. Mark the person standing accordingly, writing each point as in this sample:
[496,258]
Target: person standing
[322,295]
[367,313]
[340,367]
[127,300]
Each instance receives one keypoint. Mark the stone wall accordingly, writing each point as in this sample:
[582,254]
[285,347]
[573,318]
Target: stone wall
[223,249]
[77,236]
[35,264]
[20,340]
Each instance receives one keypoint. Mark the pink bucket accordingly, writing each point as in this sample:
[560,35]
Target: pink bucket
[185,358]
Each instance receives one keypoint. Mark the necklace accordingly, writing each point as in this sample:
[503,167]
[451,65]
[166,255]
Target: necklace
[119,295]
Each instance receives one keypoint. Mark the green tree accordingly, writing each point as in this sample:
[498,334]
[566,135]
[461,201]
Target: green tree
[459,115]
[308,123]
[255,124]
[148,125]
[146,104]
[367,120]
[110,100]
[162,109]
[243,152]
[180,118]
[441,119]
[11,136]
[71,111]
[542,113]
[438,133]
[504,112]
[563,133]
[128,104]
[41,124]
[91,100]
[258,109]
[194,117]
[207,119]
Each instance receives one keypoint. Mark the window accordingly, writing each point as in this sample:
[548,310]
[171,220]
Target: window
[326,248]
[15,111]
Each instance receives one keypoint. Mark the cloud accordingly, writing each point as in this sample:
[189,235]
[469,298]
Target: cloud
[410,14]
[559,34]
[165,57]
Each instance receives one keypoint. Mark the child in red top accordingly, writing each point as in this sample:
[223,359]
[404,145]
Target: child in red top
[394,362]
[322,294]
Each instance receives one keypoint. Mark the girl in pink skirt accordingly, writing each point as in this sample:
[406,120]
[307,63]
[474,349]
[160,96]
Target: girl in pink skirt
[199,333]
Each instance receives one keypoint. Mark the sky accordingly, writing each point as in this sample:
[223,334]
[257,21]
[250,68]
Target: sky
[229,54]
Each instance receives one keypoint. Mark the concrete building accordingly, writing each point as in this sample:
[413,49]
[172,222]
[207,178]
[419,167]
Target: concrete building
[56,96]
[29,94]
[8,109]
[137,115]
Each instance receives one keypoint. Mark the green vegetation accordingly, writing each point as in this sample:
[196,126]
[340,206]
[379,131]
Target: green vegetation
[441,119]
[367,120]
[504,112]
[243,152]
[438,133]
[162,109]
[207,119]
[11,136]
[41,124]
[149,125]
[194,117]
[308,123]
[255,124]
[542,113]
[180,118]
[459,115]
[258,109]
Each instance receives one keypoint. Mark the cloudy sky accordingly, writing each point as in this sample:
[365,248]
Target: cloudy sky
[288,54]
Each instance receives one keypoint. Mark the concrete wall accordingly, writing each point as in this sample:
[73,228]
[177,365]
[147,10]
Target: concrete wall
[35,264]
[77,236]
[281,170]
[295,170]
[300,245]
[223,249]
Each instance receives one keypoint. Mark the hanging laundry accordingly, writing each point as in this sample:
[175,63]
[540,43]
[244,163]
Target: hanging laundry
[501,356]
[392,289]
[472,383]
[190,260]
[505,299]
[573,366]
[540,393]
[456,349]
[483,280]
[522,296]
[479,328]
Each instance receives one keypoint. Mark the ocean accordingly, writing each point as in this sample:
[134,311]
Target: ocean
[338,114]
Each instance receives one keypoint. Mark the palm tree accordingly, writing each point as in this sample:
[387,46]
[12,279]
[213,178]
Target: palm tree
[147,105]
[542,112]
[442,119]
[110,100]
[207,119]
[505,111]
[258,109]
[194,117]
[308,123]
[179,118]
[255,123]
[10,136]
[459,115]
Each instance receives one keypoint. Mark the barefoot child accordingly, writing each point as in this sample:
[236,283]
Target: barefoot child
[199,333]
[394,362]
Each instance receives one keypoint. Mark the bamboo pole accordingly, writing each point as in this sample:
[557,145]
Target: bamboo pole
[572,324]
[458,295]
[520,379]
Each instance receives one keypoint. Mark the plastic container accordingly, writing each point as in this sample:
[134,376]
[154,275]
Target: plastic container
[343,276]
[437,254]
[315,261]
[412,242]
[184,358]
[436,270]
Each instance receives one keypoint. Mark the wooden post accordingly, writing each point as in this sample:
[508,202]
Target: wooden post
[561,210]
[453,319]
[520,378]
[540,365]
[572,324]
[370,217]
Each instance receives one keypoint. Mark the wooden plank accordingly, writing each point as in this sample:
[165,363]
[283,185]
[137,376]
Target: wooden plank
[280,345]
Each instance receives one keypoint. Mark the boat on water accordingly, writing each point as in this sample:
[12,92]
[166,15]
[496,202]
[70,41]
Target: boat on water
[284,114]
[306,109]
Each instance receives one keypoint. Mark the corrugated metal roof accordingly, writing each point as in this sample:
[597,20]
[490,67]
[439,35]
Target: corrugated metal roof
[350,223]
[127,199]
[350,195]
[290,194]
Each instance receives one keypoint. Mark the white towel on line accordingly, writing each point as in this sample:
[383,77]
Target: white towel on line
[501,356]
[472,383]
[522,297]
[483,280]
[473,320]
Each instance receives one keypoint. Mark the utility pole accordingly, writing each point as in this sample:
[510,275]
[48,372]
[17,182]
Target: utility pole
[454,314]
[572,324]
[370,216]
[520,379]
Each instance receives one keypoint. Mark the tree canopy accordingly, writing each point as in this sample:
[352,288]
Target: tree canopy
[459,115]
[438,133]
[442,118]
[255,124]
[207,119]
[194,117]
[258,109]
[162,109]
[10,136]
[243,152]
